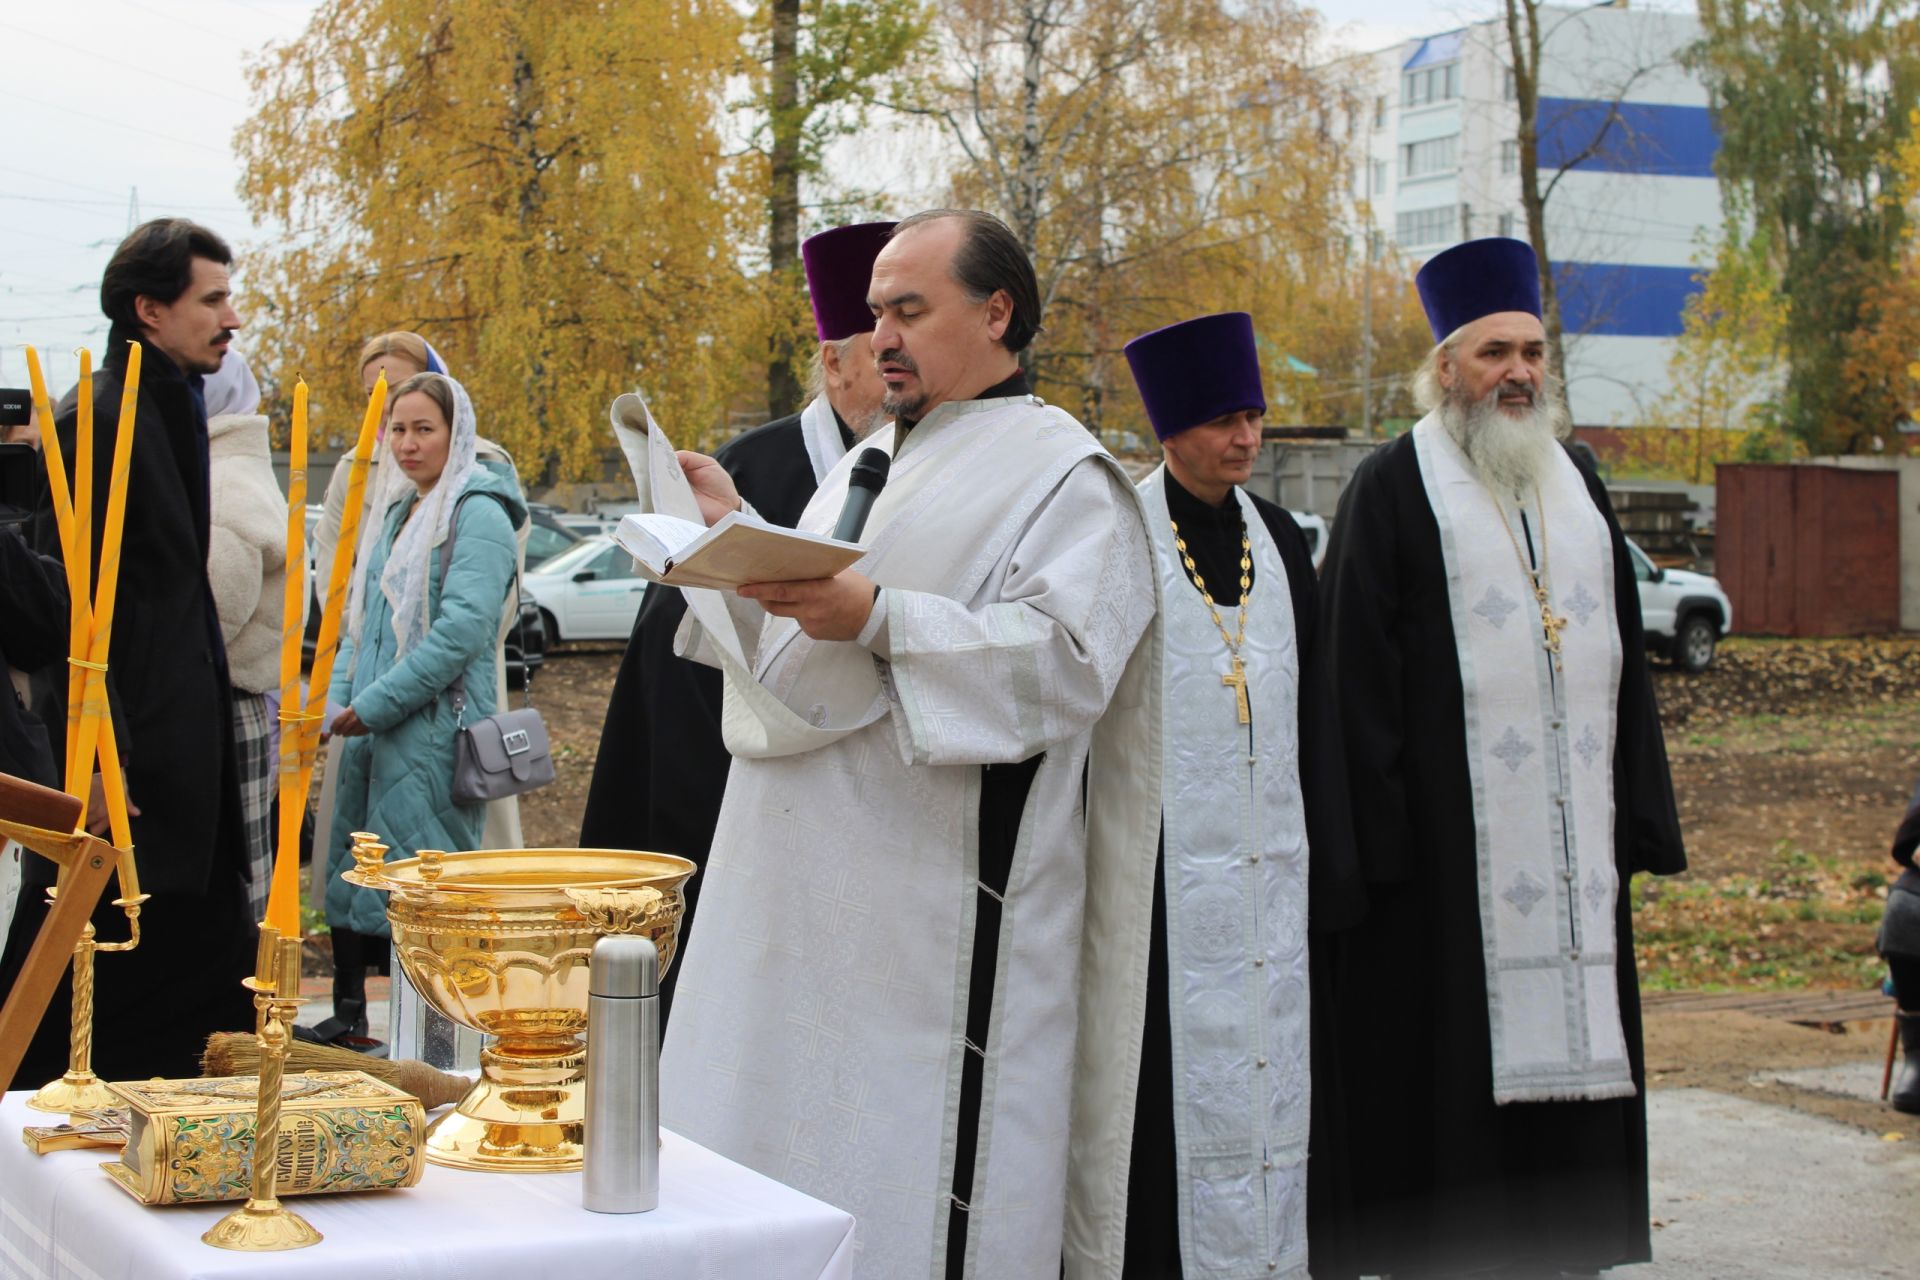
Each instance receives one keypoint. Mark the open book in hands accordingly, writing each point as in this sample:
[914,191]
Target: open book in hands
[738,549]
[672,544]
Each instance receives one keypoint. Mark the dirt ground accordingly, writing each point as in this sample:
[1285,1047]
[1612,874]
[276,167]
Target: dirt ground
[571,691]
[1792,762]
[1737,1052]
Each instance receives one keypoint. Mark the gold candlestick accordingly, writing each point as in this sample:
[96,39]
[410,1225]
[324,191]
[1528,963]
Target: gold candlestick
[263,1224]
[79,1089]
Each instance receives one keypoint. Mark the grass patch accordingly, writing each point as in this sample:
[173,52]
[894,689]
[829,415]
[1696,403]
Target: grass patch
[1796,920]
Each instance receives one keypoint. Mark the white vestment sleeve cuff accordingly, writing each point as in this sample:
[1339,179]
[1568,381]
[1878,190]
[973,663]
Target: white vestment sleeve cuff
[875,637]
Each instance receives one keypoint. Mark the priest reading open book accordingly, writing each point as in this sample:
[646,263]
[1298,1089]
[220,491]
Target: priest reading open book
[882,1002]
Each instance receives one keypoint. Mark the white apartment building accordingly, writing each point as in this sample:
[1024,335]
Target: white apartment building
[1626,132]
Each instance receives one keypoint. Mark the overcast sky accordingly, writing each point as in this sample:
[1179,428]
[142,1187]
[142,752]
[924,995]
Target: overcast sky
[106,99]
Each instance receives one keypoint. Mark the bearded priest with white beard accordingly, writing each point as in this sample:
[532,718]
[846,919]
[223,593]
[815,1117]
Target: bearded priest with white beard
[1508,776]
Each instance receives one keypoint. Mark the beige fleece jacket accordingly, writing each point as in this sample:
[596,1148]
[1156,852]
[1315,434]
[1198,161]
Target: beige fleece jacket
[247,555]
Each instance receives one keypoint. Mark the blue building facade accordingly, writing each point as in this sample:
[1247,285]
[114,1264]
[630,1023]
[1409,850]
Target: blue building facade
[1627,142]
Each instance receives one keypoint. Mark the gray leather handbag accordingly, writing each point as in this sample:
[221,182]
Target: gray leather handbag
[505,754]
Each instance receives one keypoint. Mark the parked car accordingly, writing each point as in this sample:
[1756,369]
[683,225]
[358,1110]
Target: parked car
[526,643]
[1684,613]
[549,536]
[587,526]
[1315,528]
[590,591]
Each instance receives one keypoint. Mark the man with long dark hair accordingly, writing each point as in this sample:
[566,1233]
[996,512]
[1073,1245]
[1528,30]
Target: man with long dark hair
[166,287]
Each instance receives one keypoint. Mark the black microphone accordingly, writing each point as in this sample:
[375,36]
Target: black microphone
[863,486]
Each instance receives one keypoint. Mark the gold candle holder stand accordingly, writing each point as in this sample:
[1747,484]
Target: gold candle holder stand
[263,1224]
[79,1089]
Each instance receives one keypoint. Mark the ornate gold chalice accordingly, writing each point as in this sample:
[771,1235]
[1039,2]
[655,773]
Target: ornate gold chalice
[499,941]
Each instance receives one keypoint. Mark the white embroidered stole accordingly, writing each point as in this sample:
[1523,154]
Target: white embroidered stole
[820,432]
[941,523]
[1540,752]
[1236,891]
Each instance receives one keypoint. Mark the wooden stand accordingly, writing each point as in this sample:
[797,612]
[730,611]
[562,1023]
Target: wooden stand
[43,820]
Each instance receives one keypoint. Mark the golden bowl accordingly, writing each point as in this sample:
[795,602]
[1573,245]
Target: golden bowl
[499,941]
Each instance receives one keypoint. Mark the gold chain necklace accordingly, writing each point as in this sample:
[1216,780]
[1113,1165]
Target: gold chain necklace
[1235,679]
[1549,625]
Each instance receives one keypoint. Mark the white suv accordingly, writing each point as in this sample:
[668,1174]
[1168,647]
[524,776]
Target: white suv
[1684,613]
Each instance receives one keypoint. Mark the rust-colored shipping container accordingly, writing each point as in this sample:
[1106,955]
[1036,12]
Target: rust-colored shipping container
[1809,550]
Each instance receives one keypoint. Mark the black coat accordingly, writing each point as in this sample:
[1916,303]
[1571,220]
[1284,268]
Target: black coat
[167,667]
[662,768]
[1445,1179]
[33,634]
[173,715]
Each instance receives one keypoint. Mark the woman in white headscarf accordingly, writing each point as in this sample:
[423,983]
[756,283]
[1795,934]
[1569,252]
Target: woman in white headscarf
[410,635]
[247,569]
[401,355]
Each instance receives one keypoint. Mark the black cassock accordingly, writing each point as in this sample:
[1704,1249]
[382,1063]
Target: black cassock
[173,719]
[1334,896]
[662,768]
[1443,1179]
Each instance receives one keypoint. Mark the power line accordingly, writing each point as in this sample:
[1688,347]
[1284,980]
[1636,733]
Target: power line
[121,204]
[41,235]
[65,182]
[128,66]
[175,20]
[117,124]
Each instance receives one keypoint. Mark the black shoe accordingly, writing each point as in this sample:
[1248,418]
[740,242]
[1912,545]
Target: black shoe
[349,1021]
[1906,1085]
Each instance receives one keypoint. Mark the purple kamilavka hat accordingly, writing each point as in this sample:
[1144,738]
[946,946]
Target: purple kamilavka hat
[1196,371]
[839,265]
[1478,278]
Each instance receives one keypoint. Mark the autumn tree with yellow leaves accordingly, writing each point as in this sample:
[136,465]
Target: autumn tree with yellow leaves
[539,189]
[1160,159]
[1883,363]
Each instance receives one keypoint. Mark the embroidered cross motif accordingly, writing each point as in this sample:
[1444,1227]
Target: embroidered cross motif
[1524,893]
[810,1018]
[1496,606]
[1512,750]
[1581,603]
[1599,889]
[1588,746]
[856,1111]
[886,983]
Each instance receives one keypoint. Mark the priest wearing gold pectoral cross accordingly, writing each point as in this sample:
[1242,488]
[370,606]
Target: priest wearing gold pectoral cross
[1256,852]
[1482,631]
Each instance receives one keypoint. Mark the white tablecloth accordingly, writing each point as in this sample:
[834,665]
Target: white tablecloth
[61,1216]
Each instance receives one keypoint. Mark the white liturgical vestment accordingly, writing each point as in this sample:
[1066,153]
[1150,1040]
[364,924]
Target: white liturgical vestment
[818,1033]
[1540,743]
[1235,865]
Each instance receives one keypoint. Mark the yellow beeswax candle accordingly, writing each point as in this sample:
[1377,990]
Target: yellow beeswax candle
[343,554]
[80,557]
[80,617]
[93,700]
[283,897]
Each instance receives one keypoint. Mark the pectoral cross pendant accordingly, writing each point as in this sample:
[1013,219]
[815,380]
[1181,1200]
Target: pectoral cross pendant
[1237,681]
[1549,624]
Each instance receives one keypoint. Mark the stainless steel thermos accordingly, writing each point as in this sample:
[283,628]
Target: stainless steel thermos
[622,1157]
